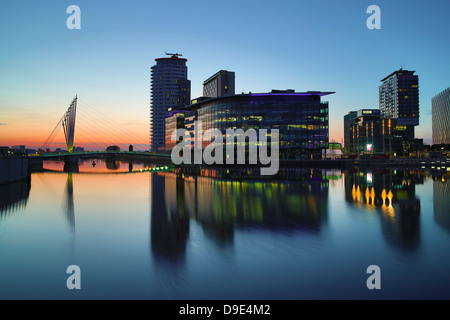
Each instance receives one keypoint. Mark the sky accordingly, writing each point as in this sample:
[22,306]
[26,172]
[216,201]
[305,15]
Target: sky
[317,45]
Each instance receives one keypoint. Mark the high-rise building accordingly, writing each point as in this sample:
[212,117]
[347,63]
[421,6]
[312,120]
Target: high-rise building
[440,108]
[170,91]
[220,84]
[399,97]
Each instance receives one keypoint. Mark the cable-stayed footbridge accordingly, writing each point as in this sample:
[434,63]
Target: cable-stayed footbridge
[102,136]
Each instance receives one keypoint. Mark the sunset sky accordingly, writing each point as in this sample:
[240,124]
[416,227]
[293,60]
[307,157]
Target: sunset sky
[301,44]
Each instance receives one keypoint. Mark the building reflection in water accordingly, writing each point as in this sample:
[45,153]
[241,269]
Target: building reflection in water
[113,164]
[392,194]
[169,218]
[441,200]
[224,199]
[14,197]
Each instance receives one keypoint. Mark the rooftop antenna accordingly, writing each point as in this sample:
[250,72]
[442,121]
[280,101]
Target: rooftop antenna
[174,55]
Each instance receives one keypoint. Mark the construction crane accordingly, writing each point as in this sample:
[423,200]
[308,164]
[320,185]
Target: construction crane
[174,55]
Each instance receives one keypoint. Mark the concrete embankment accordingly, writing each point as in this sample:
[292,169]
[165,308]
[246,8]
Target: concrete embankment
[14,168]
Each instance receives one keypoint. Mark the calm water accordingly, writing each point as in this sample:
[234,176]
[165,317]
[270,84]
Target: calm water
[310,234]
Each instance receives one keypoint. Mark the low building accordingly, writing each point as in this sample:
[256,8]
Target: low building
[368,133]
[300,117]
[175,120]
[333,152]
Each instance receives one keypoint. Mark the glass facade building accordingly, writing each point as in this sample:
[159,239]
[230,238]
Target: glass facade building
[367,132]
[440,106]
[301,118]
[364,132]
[349,119]
[175,120]
[170,91]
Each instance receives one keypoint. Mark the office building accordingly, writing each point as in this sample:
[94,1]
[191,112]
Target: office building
[170,91]
[364,132]
[219,84]
[349,119]
[368,133]
[440,106]
[174,121]
[300,117]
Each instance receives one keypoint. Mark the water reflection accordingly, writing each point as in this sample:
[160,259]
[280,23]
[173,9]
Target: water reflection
[113,165]
[441,203]
[169,219]
[68,205]
[14,197]
[392,194]
[223,200]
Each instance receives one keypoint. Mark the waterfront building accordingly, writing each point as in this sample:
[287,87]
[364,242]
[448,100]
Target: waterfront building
[333,152]
[367,132]
[300,117]
[170,91]
[174,121]
[440,106]
[219,84]
[399,107]
[399,97]
[349,119]
[364,132]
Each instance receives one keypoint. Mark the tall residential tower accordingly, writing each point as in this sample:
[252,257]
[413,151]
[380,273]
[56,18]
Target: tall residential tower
[170,91]
[399,97]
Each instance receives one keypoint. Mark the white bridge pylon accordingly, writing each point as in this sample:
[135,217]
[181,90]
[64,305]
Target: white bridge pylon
[68,123]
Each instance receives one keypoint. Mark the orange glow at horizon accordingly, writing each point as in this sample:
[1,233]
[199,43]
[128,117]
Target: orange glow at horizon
[34,136]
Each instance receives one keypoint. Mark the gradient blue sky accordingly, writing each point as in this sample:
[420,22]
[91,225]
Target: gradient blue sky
[302,45]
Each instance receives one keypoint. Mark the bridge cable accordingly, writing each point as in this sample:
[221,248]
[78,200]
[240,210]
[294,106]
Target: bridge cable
[56,127]
[111,122]
[114,135]
[95,133]
[105,118]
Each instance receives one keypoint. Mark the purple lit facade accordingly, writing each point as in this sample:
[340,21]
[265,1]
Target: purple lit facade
[301,118]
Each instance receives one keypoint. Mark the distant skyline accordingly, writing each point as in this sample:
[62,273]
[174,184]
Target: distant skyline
[302,45]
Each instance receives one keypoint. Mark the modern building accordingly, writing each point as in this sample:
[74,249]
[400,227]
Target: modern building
[333,152]
[399,106]
[399,97]
[170,91]
[219,84]
[349,119]
[364,132]
[440,106]
[175,120]
[367,132]
[300,117]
